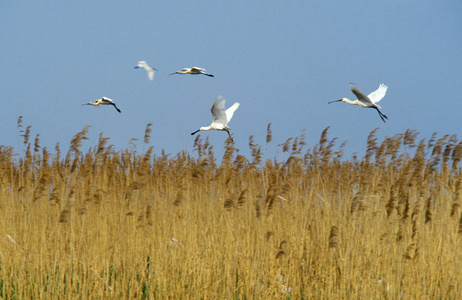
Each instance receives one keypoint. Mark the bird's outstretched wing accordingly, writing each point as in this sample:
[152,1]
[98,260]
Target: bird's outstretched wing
[218,111]
[230,111]
[151,74]
[197,69]
[378,94]
[359,94]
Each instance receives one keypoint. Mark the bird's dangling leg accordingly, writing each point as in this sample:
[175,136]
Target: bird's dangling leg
[382,116]
[229,135]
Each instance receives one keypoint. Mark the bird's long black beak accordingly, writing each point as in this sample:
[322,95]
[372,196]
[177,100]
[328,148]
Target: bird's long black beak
[136,67]
[334,101]
[193,133]
[86,104]
[173,73]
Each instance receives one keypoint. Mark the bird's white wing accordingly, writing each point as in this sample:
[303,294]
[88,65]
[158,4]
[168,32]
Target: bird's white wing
[198,69]
[106,100]
[218,111]
[151,74]
[230,111]
[142,64]
[361,96]
[378,94]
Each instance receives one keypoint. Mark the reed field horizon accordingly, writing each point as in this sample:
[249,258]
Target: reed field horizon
[311,224]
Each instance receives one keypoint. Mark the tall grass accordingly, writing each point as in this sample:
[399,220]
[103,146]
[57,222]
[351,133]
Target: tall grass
[118,224]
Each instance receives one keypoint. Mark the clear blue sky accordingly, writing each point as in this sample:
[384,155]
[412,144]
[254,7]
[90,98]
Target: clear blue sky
[282,60]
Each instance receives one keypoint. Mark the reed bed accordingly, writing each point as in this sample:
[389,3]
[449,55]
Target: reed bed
[107,224]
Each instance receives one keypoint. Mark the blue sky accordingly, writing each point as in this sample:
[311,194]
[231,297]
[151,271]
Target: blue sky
[283,61]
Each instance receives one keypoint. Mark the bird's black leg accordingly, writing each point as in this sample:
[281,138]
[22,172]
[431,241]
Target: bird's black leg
[229,135]
[382,116]
[116,107]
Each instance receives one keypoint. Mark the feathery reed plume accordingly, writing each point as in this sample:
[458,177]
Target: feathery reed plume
[415,217]
[242,198]
[42,186]
[36,143]
[179,194]
[431,141]
[76,141]
[456,155]
[255,152]
[457,196]
[26,135]
[268,235]
[281,250]
[148,216]
[64,216]
[391,204]
[460,224]
[333,237]
[414,229]
[269,133]
[229,204]
[428,210]
[409,138]
[410,252]
[286,145]
[102,141]
[257,210]
[400,234]
[20,122]
[357,203]
[147,133]
[371,147]
[295,146]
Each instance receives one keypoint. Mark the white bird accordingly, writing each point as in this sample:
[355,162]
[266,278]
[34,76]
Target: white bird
[103,101]
[220,117]
[193,71]
[144,65]
[369,101]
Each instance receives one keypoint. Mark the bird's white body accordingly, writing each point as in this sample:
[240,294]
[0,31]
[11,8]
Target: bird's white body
[193,71]
[369,101]
[144,65]
[220,116]
[103,101]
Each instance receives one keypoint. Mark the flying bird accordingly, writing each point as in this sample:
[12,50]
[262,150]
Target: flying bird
[220,117]
[369,101]
[193,71]
[103,101]
[144,65]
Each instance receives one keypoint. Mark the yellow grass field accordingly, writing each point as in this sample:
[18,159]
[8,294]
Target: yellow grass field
[116,224]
